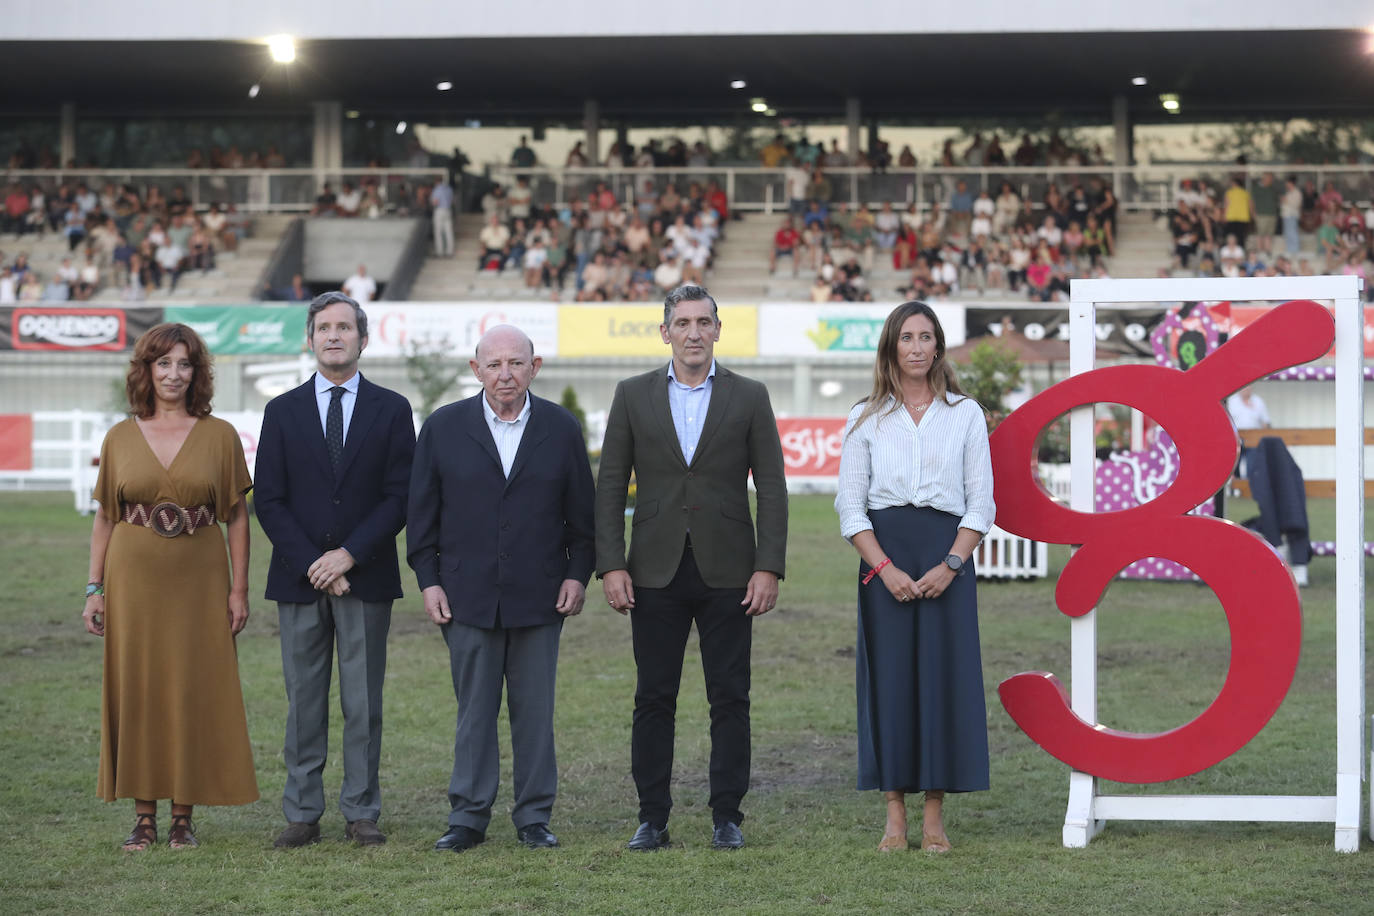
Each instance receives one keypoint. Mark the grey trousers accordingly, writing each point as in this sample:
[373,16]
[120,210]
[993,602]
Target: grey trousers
[526,659]
[309,633]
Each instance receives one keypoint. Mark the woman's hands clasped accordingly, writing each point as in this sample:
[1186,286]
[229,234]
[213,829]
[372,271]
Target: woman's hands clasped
[904,588]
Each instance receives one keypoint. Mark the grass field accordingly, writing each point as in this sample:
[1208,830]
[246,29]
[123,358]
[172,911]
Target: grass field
[1163,654]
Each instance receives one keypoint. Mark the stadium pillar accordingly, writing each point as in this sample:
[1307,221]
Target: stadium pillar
[67,133]
[591,123]
[328,143]
[851,123]
[1123,137]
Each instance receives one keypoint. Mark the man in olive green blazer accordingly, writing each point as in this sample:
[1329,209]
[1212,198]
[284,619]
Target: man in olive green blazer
[691,432]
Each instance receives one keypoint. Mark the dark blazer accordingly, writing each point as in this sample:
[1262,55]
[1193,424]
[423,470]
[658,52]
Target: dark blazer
[710,495]
[496,542]
[306,510]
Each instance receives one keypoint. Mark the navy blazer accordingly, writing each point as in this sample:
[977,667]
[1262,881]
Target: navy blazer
[306,510]
[494,542]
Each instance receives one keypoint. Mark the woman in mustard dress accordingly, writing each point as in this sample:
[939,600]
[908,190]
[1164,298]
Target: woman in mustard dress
[161,594]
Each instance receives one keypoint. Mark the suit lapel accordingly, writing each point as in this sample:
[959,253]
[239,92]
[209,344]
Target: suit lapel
[476,425]
[722,388]
[364,413]
[662,411]
[536,431]
[307,417]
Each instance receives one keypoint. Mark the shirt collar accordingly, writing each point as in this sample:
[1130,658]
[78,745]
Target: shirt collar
[493,418]
[323,385]
[710,376]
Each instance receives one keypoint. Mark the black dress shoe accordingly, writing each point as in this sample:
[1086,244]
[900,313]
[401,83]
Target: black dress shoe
[649,837]
[459,838]
[536,836]
[727,835]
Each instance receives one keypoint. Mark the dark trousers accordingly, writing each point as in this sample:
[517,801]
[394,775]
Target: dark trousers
[309,633]
[661,621]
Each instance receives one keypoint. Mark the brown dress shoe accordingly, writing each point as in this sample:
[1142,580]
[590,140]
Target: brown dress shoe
[364,833]
[298,834]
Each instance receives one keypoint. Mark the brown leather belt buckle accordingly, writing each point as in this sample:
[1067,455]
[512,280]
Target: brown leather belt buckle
[169,519]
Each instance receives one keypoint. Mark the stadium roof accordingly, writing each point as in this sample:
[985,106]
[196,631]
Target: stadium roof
[644,79]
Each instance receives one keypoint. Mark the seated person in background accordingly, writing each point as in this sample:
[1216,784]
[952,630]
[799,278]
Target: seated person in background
[594,277]
[57,289]
[1050,233]
[812,245]
[327,203]
[668,274]
[820,289]
[617,277]
[32,288]
[1073,242]
[201,250]
[636,239]
[295,291]
[87,279]
[171,257]
[536,262]
[858,231]
[493,238]
[816,215]
[904,248]
[785,242]
[179,231]
[348,201]
[695,257]
[73,226]
[886,225]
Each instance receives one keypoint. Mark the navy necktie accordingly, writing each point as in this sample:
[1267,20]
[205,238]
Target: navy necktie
[333,427]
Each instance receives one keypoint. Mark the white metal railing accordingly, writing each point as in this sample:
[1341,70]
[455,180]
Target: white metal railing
[758,189]
[66,446]
[250,190]
[1008,556]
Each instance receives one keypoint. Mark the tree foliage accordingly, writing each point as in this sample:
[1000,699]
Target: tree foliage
[431,371]
[991,373]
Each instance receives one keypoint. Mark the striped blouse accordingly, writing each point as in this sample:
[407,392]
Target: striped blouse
[943,463]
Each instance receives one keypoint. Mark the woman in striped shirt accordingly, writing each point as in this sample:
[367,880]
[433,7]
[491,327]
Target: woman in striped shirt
[915,497]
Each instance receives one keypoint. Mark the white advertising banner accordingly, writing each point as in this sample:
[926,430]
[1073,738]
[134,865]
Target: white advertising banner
[838,330]
[393,327]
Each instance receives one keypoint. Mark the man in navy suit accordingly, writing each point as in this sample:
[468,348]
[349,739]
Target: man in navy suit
[500,538]
[333,471]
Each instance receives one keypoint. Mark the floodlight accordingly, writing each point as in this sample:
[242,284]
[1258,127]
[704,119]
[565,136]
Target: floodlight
[737,84]
[443,85]
[1138,81]
[282,48]
[253,91]
[759,105]
[400,127]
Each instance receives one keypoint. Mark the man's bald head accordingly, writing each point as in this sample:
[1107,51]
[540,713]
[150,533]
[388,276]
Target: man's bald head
[505,365]
[504,334]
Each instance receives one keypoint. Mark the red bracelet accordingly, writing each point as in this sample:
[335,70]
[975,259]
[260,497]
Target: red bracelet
[887,561]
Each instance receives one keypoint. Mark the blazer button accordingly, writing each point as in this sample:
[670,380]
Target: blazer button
[691,474]
[505,556]
[337,500]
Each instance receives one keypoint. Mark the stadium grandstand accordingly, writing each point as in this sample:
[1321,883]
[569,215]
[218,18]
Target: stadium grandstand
[527,155]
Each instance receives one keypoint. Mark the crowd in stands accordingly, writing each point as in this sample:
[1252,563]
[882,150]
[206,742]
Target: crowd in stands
[607,249]
[974,240]
[136,241]
[1255,231]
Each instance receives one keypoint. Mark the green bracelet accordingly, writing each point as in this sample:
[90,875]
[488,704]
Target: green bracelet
[95,588]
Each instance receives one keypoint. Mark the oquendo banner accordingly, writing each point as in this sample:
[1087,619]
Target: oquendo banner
[47,328]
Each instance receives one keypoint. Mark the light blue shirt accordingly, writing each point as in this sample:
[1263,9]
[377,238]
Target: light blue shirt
[322,398]
[442,197]
[689,406]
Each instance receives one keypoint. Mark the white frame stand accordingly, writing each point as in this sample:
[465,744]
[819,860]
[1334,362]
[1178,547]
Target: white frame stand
[1088,812]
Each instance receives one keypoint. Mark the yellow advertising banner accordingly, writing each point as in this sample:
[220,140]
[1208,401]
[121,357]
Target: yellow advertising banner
[632,330]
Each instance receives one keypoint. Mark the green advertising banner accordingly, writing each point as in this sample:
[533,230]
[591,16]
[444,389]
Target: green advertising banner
[245,328]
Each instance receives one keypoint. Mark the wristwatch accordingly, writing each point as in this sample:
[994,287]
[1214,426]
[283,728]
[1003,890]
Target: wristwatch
[954,563]
[95,588]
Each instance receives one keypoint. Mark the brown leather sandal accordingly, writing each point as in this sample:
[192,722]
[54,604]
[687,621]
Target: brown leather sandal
[144,833]
[182,835]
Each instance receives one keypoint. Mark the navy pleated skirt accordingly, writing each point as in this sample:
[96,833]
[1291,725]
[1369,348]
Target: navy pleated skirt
[922,717]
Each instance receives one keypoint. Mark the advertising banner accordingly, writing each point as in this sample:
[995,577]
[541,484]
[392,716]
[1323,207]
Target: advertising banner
[16,442]
[839,330]
[1125,331]
[632,330]
[245,328]
[811,445]
[84,328]
[455,327]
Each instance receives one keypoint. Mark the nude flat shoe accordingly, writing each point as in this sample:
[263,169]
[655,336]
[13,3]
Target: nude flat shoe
[893,843]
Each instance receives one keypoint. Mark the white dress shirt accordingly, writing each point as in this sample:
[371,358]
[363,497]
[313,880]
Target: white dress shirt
[943,463]
[507,433]
[349,400]
[689,405]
